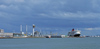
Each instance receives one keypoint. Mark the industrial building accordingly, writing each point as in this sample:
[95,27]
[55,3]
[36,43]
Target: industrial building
[2,34]
[36,34]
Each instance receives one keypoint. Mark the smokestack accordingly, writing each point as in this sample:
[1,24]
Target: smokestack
[21,29]
[73,29]
[26,29]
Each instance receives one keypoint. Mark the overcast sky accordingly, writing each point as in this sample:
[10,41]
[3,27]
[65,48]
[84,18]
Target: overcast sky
[51,15]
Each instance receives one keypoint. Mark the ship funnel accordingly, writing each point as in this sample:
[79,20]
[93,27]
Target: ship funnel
[72,29]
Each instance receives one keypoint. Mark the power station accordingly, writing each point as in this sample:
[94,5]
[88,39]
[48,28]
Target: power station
[25,34]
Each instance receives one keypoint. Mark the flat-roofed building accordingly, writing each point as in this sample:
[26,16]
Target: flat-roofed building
[1,31]
[6,34]
[3,34]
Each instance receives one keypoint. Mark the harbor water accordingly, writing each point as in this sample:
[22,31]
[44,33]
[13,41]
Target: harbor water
[50,43]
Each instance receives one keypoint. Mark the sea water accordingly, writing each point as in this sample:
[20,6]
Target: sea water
[50,43]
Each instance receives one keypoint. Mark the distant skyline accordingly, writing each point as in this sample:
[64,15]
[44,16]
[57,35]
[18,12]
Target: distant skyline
[57,16]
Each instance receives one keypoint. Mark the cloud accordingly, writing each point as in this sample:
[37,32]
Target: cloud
[95,3]
[52,8]
[79,14]
[3,6]
[50,13]
[98,28]
[12,1]
[88,28]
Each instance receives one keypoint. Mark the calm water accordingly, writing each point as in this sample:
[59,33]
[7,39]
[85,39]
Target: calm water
[50,43]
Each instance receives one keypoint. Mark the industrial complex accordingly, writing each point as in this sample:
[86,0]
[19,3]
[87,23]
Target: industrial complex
[35,34]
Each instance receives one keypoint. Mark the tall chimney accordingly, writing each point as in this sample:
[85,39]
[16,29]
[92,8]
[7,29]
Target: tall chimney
[21,29]
[26,29]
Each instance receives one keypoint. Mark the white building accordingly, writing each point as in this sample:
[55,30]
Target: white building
[2,34]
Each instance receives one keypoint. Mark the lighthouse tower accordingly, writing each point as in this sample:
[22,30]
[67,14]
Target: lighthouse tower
[33,29]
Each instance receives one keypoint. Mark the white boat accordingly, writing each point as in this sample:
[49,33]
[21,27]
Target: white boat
[74,33]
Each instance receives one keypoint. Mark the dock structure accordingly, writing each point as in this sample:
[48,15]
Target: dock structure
[55,36]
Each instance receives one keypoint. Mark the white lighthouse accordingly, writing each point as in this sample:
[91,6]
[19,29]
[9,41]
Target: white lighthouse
[33,29]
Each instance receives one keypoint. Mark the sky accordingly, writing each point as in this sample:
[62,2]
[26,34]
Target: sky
[57,16]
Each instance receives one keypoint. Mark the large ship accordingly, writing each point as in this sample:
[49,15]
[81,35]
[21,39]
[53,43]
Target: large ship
[74,33]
